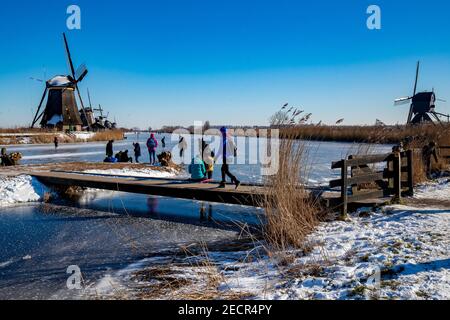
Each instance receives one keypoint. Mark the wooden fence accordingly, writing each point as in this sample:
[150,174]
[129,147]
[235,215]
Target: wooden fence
[374,176]
[444,152]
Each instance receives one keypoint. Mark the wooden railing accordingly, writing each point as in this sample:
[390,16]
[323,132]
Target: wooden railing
[362,177]
[444,152]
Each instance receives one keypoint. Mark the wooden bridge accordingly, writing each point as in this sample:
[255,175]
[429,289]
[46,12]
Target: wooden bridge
[248,195]
[390,177]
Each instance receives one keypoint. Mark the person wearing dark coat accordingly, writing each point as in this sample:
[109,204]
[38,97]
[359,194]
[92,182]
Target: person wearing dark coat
[6,160]
[109,148]
[428,152]
[122,156]
[137,151]
[227,151]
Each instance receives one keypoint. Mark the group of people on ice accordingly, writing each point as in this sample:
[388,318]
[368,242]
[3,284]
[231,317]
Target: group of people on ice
[201,167]
[122,156]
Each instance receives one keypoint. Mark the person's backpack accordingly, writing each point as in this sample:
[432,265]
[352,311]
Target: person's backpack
[151,144]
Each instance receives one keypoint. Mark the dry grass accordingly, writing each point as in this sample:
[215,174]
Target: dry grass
[368,134]
[41,136]
[108,135]
[23,130]
[192,275]
[291,214]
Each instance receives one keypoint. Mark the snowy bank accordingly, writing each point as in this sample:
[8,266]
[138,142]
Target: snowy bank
[20,189]
[398,252]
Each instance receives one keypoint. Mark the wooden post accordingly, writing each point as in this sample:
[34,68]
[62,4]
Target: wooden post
[390,168]
[344,189]
[355,186]
[409,156]
[397,177]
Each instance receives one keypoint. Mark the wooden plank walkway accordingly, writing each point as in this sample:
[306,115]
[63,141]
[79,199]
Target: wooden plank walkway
[248,195]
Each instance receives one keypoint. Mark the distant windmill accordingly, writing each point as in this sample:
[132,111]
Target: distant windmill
[423,104]
[61,110]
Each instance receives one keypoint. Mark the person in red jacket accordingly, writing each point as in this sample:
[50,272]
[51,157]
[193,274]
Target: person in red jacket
[152,144]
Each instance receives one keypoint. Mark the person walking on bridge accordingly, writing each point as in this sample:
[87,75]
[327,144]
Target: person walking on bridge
[228,152]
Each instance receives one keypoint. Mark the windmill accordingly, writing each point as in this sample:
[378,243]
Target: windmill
[88,115]
[61,110]
[422,105]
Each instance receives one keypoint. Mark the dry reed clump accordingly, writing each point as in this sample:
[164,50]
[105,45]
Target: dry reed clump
[108,135]
[23,130]
[290,212]
[191,275]
[42,136]
[419,167]
[368,134]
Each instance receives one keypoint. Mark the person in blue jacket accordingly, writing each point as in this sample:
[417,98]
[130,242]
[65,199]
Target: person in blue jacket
[152,144]
[197,169]
[228,151]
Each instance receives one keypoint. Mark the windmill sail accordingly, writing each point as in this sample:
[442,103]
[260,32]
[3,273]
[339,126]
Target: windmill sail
[402,101]
[82,73]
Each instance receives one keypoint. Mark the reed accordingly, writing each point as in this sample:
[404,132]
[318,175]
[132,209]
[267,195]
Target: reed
[291,213]
[369,134]
[108,135]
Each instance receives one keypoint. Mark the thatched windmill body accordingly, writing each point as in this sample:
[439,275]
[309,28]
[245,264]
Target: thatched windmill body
[61,110]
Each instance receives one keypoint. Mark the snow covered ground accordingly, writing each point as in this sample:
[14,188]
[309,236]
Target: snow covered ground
[142,172]
[397,252]
[20,189]
[24,189]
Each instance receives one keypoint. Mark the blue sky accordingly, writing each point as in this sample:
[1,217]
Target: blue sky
[235,62]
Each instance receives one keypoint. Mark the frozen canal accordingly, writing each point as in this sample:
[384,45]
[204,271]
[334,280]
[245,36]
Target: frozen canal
[320,154]
[105,231]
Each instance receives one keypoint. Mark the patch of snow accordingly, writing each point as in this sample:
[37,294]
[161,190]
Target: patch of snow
[144,172]
[83,135]
[440,189]
[20,189]
[57,118]
[6,263]
[62,155]
[24,140]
